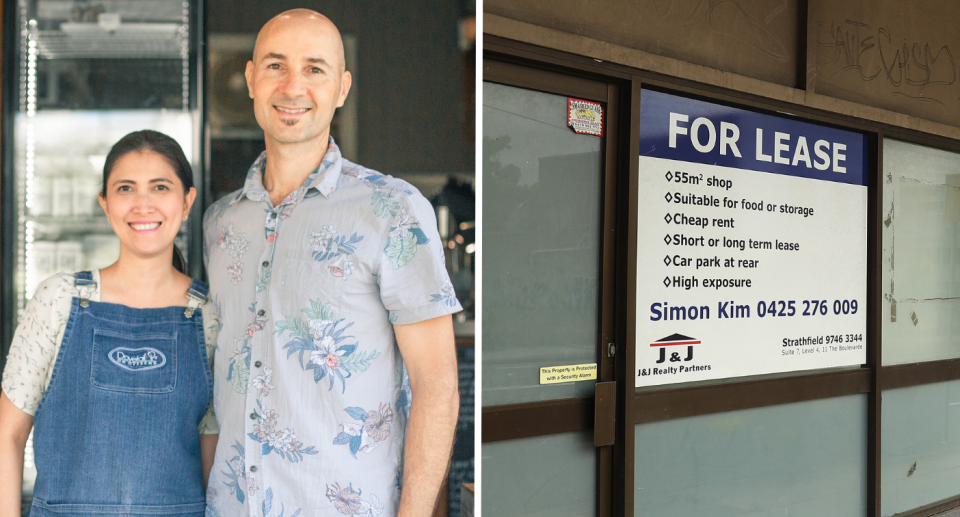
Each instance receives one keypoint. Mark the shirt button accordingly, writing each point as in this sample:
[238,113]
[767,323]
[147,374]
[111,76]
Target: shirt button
[258,364]
[265,263]
[253,468]
[273,215]
[253,416]
[261,312]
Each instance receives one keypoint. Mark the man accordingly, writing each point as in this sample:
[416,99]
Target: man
[325,274]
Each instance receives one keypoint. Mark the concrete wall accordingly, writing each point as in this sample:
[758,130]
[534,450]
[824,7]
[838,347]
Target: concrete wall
[890,61]
[756,38]
[894,54]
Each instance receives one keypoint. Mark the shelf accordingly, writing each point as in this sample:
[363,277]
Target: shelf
[55,227]
[135,40]
[140,10]
[49,228]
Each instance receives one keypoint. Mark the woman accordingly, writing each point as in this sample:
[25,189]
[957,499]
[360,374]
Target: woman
[111,367]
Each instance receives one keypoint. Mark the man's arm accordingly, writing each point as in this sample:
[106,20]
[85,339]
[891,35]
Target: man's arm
[15,427]
[430,355]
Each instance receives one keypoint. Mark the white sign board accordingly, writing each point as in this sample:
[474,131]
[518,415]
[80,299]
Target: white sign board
[752,242]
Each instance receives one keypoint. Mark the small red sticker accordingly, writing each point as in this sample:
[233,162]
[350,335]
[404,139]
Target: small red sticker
[585,117]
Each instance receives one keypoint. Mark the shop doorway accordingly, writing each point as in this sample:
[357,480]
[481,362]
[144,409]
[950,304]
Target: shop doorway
[549,291]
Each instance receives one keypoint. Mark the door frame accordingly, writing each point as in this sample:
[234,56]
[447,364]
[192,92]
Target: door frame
[524,420]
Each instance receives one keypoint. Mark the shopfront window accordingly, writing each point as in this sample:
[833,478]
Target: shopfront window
[921,253]
[806,458]
[813,369]
[533,480]
[921,445]
[920,424]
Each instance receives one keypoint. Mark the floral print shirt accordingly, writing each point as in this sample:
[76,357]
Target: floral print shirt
[310,390]
[37,339]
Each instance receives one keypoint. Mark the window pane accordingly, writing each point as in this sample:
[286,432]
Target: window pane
[920,440]
[921,253]
[541,258]
[805,458]
[543,476]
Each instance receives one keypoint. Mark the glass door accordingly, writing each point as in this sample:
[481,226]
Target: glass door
[548,350]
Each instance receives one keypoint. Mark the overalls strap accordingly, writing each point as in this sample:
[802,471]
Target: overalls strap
[196,296]
[86,285]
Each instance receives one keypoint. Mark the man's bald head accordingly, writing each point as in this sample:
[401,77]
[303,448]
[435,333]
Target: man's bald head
[297,78]
[300,19]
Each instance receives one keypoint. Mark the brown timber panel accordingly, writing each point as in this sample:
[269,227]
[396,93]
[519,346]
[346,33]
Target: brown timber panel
[513,421]
[604,410]
[653,406]
[915,374]
[543,80]
[900,55]
[755,38]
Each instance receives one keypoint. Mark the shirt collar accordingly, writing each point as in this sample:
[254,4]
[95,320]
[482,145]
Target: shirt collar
[324,178]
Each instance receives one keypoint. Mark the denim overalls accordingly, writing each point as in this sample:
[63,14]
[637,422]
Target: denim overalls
[116,431]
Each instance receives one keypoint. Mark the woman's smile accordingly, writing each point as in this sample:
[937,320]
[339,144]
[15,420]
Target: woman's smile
[145,226]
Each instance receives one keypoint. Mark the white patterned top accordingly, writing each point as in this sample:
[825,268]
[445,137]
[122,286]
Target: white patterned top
[36,343]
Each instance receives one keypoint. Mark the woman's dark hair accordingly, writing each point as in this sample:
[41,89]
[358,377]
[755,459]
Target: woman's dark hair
[168,148]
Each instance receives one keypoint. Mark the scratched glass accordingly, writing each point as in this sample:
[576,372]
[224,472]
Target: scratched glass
[543,476]
[921,253]
[805,458]
[920,440]
[541,229]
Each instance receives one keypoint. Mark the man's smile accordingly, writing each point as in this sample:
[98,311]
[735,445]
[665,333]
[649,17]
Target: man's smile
[291,111]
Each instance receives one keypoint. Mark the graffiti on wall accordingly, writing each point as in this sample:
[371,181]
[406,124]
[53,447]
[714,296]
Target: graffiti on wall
[921,71]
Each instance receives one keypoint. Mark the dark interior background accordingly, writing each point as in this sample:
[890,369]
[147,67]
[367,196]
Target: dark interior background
[415,88]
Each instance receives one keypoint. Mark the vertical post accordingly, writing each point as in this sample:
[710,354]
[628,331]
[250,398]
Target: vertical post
[196,103]
[807,41]
[628,185]
[8,201]
[606,473]
[874,321]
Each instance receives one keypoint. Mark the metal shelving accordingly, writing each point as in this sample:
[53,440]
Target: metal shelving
[78,76]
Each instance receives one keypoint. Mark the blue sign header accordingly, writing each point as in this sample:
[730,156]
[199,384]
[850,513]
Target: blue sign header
[678,128]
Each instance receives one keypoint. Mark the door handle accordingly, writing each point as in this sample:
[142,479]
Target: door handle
[605,414]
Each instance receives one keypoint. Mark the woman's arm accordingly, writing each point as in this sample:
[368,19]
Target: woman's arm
[208,425]
[14,429]
[208,446]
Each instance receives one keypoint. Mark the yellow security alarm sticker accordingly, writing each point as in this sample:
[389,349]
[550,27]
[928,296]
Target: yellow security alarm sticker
[570,373]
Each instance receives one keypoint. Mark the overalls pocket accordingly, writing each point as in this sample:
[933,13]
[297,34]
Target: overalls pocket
[134,362]
[42,508]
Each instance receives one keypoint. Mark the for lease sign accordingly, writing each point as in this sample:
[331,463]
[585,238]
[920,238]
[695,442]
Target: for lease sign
[752,243]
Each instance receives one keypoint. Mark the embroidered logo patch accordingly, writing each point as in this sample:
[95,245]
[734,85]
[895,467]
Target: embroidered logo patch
[137,359]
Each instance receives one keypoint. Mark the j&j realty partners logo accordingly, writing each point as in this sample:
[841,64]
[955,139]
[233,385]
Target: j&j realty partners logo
[667,355]
[675,340]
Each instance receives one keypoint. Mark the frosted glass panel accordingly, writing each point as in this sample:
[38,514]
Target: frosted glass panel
[544,476]
[921,253]
[801,459]
[541,229]
[920,440]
